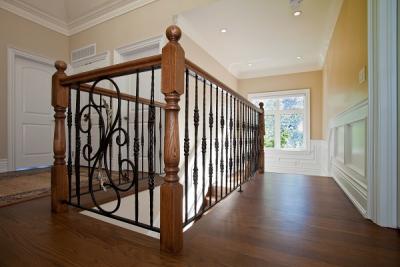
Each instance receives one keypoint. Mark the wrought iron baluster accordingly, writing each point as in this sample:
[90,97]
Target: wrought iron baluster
[204,144]
[222,167]
[226,145]
[216,144]
[77,145]
[110,152]
[235,167]
[160,135]
[136,149]
[119,150]
[128,140]
[196,119]
[142,140]
[240,145]
[101,131]
[210,165]
[186,143]
[69,161]
[151,143]
[230,143]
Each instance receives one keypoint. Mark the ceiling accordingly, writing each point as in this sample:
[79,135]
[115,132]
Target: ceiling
[263,37]
[70,16]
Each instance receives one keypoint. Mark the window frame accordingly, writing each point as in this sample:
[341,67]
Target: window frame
[278,113]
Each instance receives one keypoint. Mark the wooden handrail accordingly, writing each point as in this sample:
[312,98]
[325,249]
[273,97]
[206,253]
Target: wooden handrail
[124,96]
[197,69]
[121,69]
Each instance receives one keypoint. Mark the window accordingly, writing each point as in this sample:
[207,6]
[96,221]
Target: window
[286,115]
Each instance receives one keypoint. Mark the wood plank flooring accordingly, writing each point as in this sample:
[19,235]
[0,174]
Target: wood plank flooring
[278,220]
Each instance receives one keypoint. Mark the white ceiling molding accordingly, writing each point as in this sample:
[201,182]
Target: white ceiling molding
[92,18]
[30,13]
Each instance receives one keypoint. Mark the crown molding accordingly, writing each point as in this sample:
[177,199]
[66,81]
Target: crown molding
[80,24]
[20,9]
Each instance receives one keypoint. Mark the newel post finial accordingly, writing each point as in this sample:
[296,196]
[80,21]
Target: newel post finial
[59,101]
[172,86]
[173,33]
[261,133]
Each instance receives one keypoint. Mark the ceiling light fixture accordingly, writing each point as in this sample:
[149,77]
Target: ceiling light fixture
[224,30]
[295,6]
[249,64]
[299,57]
[297,13]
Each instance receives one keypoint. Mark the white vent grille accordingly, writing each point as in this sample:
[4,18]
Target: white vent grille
[83,53]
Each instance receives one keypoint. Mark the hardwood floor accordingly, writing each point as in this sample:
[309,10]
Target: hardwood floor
[278,220]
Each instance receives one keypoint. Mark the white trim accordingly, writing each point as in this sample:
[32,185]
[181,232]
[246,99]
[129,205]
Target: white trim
[305,111]
[85,22]
[125,50]
[94,18]
[12,53]
[309,162]
[91,59]
[382,123]
[351,179]
[27,12]
[3,165]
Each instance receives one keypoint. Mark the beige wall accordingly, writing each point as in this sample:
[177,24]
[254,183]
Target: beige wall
[303,80]
[347,54]
[22,34]
[146,22]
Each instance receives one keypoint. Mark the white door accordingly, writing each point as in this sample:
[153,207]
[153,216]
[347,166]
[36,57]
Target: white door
[33,114]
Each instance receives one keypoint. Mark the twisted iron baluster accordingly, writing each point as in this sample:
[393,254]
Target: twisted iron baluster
[77,145]
[186,143]
[136,149]
[196,120]
[151,125]
[69,162]
[204,143]
[216,144]
[210,165]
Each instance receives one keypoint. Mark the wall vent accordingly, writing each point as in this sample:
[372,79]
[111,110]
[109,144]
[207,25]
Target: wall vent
[83,53]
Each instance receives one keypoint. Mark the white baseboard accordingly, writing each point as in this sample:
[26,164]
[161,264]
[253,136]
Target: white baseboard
[356,191]
[298,162]
[3,165]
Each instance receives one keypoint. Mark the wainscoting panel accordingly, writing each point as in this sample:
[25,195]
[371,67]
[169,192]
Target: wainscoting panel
[347,156]
[3,165]
[309,162]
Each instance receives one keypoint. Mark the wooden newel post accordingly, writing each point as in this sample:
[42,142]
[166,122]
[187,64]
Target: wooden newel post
[261,133]
[172,86]
[59,100]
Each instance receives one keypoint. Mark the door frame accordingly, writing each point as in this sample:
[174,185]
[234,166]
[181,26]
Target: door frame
[382,113]
[12,54]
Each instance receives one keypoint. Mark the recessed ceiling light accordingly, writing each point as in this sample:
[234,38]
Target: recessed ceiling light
[299,58]
[297,13]
[224,30]
[249,64]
